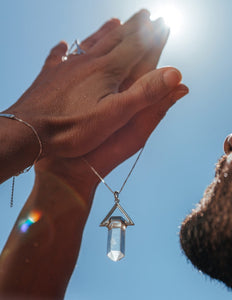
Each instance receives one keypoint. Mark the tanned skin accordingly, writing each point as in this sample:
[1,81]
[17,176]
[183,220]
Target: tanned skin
[73,121]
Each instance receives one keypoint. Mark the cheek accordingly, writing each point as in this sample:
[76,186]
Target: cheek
[206,234]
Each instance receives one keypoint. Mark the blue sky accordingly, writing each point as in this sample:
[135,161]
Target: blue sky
[177,163]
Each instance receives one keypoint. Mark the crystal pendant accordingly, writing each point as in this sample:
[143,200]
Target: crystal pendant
[116,238]
[116,231]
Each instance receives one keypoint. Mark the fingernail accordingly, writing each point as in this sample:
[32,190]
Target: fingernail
[145,12]
[158,22]
[228,144]
[171,78]
[181,92]
[160,26]
[113,21]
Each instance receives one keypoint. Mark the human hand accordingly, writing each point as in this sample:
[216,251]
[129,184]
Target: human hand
[76,105]
[57,107]
[131,137]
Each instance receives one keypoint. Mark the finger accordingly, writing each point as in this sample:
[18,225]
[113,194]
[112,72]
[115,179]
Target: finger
[136,21]
[54,58]
[128,53]
[101,33]
[56,54]
[161,36]
[150,60]
[144,122]
[116,110]
[146,91]
[133,136]
[112,39]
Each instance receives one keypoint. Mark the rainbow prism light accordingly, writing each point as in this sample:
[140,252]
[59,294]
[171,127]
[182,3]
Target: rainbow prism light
[33,217]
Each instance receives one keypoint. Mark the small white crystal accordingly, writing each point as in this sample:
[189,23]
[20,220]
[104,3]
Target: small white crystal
[116,238]
[115,255]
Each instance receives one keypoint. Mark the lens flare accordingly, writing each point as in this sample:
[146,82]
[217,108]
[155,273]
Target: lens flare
[32,218]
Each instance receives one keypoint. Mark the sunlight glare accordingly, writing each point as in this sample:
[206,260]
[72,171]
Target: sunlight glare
[172,16]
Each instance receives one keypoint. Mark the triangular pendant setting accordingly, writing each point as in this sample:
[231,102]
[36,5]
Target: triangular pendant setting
[128,222]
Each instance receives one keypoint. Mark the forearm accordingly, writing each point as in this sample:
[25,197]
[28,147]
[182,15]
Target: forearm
[38,261]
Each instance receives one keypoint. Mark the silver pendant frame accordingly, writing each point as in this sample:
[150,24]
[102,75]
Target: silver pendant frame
[128,221]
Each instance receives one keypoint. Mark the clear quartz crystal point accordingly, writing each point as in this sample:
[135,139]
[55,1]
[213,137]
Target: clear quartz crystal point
[116,238]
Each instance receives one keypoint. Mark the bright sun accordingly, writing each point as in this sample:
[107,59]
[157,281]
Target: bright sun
[172,17]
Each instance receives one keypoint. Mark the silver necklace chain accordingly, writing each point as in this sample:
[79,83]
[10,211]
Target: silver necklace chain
[125,181]
[78,51]
[116,249]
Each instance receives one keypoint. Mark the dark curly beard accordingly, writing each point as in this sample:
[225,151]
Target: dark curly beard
[206,234]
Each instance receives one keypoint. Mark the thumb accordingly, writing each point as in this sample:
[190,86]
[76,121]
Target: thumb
[152,88]
[118,109]
[56,54]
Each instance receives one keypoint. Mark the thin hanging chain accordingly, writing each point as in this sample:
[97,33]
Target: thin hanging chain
[129,174]
[125,181]
[97,174]
[12,192]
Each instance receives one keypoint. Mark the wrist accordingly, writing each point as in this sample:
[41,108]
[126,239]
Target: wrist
[34,131]
[71,173]
[20,146]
